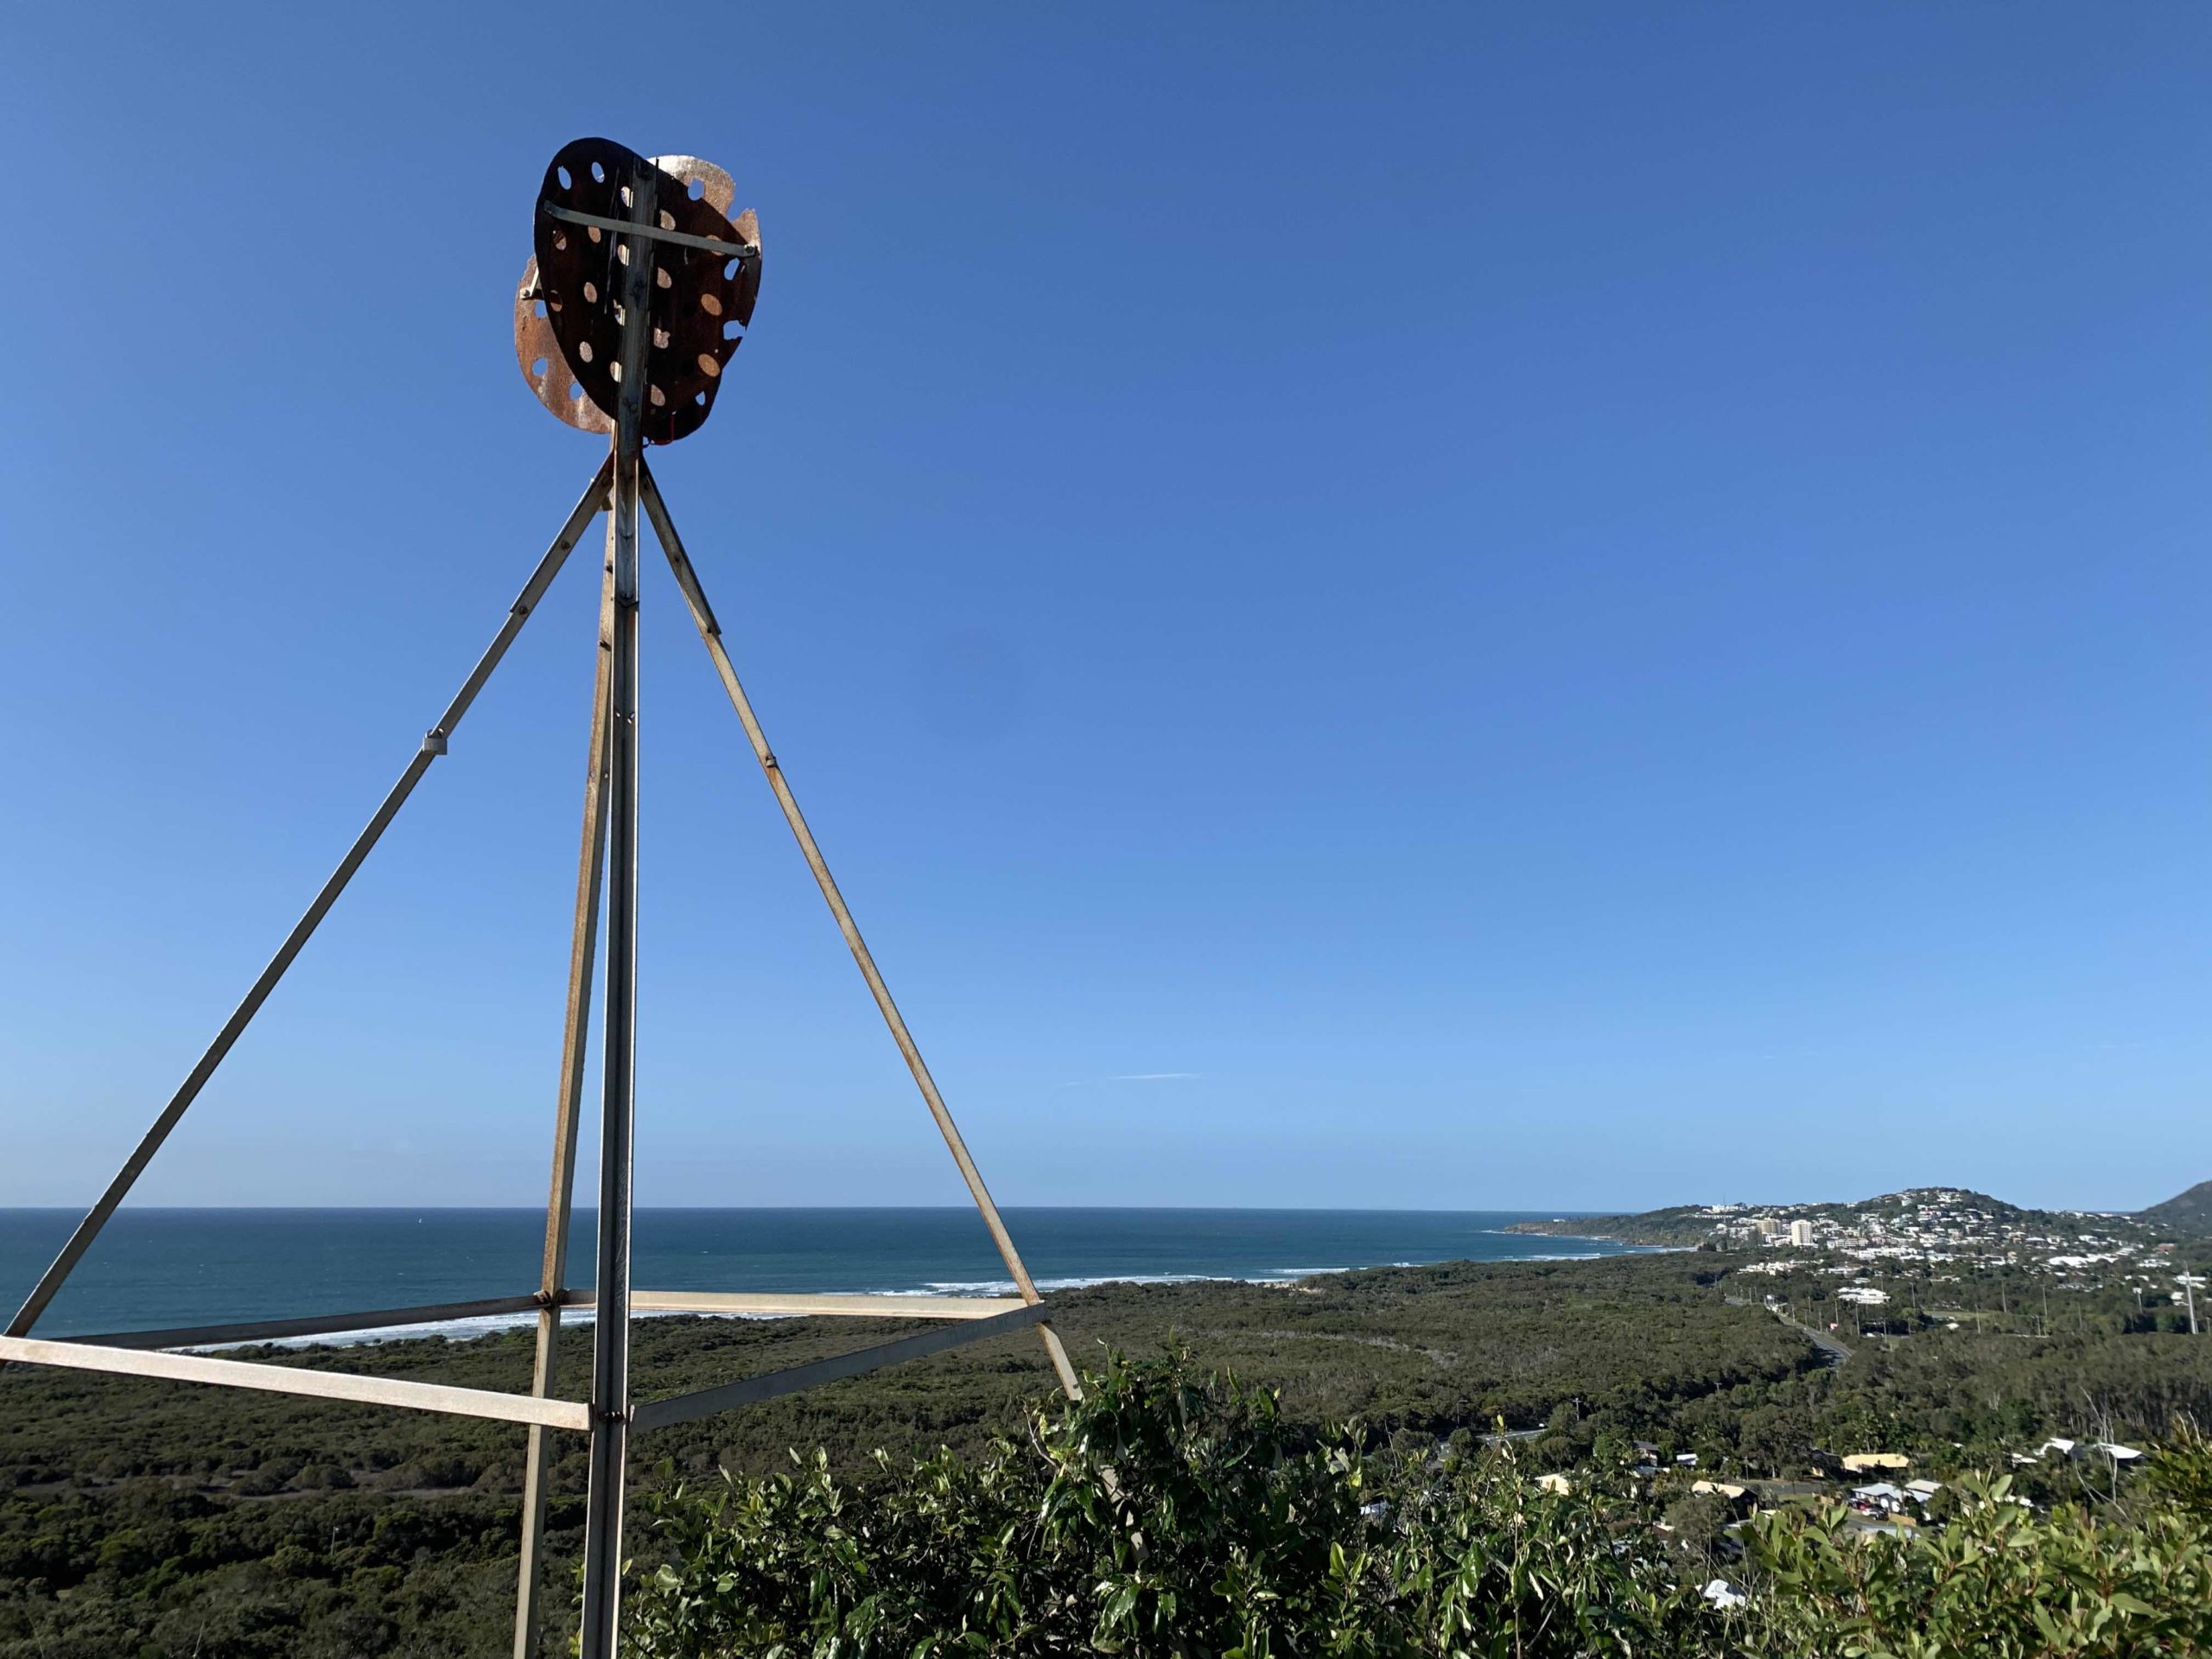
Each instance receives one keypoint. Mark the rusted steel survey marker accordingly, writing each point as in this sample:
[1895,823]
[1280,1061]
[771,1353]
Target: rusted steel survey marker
[628,313]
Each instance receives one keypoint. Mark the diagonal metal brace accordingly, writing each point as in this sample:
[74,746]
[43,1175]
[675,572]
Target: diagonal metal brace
[710,633]
[682,1407]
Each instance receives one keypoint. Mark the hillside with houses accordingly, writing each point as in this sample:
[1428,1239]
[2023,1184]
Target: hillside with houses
[1922,1223]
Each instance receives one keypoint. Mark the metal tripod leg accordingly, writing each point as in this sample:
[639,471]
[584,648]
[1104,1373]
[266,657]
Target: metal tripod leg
[575,1034]
[433,745]
[710,631]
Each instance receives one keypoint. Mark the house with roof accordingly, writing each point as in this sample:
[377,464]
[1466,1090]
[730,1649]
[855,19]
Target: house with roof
[1880,1497]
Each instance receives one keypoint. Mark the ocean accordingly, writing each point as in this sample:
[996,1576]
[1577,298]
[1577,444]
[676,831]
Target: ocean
[156,1268]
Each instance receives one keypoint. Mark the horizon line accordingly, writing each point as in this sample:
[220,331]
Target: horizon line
[1541,1212]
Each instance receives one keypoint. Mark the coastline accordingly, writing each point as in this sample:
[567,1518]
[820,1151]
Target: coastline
[169,1268]
[496,1324]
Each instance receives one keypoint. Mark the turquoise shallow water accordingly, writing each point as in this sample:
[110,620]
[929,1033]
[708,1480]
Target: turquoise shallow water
[153,1269]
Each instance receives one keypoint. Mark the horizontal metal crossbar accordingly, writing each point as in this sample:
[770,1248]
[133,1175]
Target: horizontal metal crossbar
[683,1408]
[647,1301]
[292,1379]
[311,1325]
[873,1307]
[653,232]
[139,1353]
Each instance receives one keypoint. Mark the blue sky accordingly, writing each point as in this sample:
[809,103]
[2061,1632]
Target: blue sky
[1447,607]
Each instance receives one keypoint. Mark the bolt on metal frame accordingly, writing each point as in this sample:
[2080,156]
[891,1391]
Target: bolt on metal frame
[607,869]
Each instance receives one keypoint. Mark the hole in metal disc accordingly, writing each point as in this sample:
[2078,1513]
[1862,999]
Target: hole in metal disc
[667,220]
[584,350]
[698,189]
[701,400]
[576,392]
[562,174]
[592,230]
[625,195]
[730,270]
[560,240]
[538,369]
[707,367]
[598,173]
[711,304]
[615,369]
[622,252]
[591,293]
[662,277]
[538,310]
[658,397]
[660,340]
[732,329]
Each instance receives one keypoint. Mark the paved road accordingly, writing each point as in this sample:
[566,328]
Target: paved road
[1833,1351]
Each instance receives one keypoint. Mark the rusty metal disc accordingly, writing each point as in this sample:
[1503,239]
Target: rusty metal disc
[544,366]
[566,333]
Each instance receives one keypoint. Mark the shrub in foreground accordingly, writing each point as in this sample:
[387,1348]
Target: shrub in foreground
[1999,1580]
[1163,1515]
[1171,1515]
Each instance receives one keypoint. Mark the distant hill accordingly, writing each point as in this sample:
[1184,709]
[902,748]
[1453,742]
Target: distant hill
[1913,1198]
[1952,1211]
[2189,1212]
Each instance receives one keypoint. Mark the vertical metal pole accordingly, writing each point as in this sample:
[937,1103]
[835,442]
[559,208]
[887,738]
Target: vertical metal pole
[591,863]
[610,1387]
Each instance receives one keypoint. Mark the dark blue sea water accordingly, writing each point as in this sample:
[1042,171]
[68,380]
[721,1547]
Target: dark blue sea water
[157,1268]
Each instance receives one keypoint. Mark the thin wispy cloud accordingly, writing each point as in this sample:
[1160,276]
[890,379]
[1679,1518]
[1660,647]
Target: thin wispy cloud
[1135,1077]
